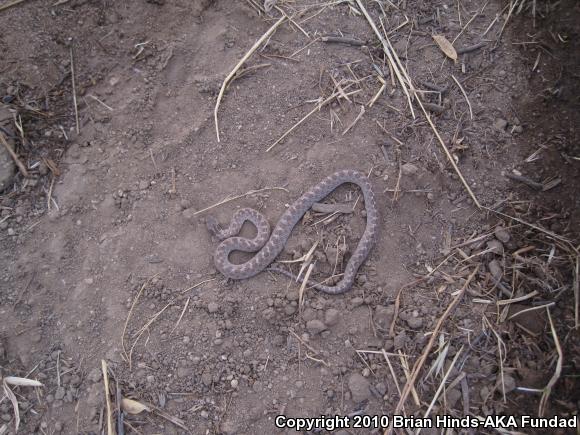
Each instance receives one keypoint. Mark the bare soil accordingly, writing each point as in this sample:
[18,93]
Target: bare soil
[105,255]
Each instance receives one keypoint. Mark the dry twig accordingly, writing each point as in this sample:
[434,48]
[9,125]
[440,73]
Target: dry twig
[231,75]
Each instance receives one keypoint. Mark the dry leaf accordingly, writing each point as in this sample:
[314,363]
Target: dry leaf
[446,47]
[133,407]
[22,382]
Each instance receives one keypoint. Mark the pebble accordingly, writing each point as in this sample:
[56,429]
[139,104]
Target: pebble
[315,326]
[409,169]
[213,307]
[289,309]
[331,317]
[359,387]
[509,383]
[150,379]
[234,383]
[206,378]
[355,302]
[58,426]
[400,340]
[6,417]
[495,269]
[309,314]
[384,316]
[381,387]
[495,246]
[60,392]
[11,231]
[500,124]
[415,322]
[143,184]
[502,234]
[204,414]
[292,295]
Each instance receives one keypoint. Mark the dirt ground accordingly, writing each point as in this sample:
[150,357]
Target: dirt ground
[105,255]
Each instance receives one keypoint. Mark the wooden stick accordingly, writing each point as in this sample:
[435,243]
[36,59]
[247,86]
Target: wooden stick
[74,89]
[9,5]
[110,430]
[465,95]
[20,165]
[238,65]
[447,153]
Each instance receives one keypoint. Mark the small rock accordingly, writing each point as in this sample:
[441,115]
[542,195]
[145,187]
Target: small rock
[495,246]
[315,326]
[234,383]
[6,417]
[331,317]
[517,129]
[58,426]
[500,124]
[502,234]
[495,269]
[509,383]
[269,313]
[308,314]
[60,392]
[43,169]
[11,231]
[414,322]
[204,414]
[381,388]
[409,169]
[289,309]
[400,340]
[206,378]
[143,184]
[212,307]
[359,387]
[292,295]
[150,379]
[355,302]
[384,316]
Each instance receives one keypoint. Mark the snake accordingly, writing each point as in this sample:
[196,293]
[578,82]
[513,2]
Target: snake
[267,247]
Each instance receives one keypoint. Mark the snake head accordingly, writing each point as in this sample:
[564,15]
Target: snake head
[212,225]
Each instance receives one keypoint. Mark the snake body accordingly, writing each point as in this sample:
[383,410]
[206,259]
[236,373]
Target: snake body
[268,248]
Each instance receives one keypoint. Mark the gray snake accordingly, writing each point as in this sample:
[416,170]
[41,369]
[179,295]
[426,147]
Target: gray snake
[269,247]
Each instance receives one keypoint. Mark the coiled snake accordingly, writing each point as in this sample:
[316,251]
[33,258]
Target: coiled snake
[272,245]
